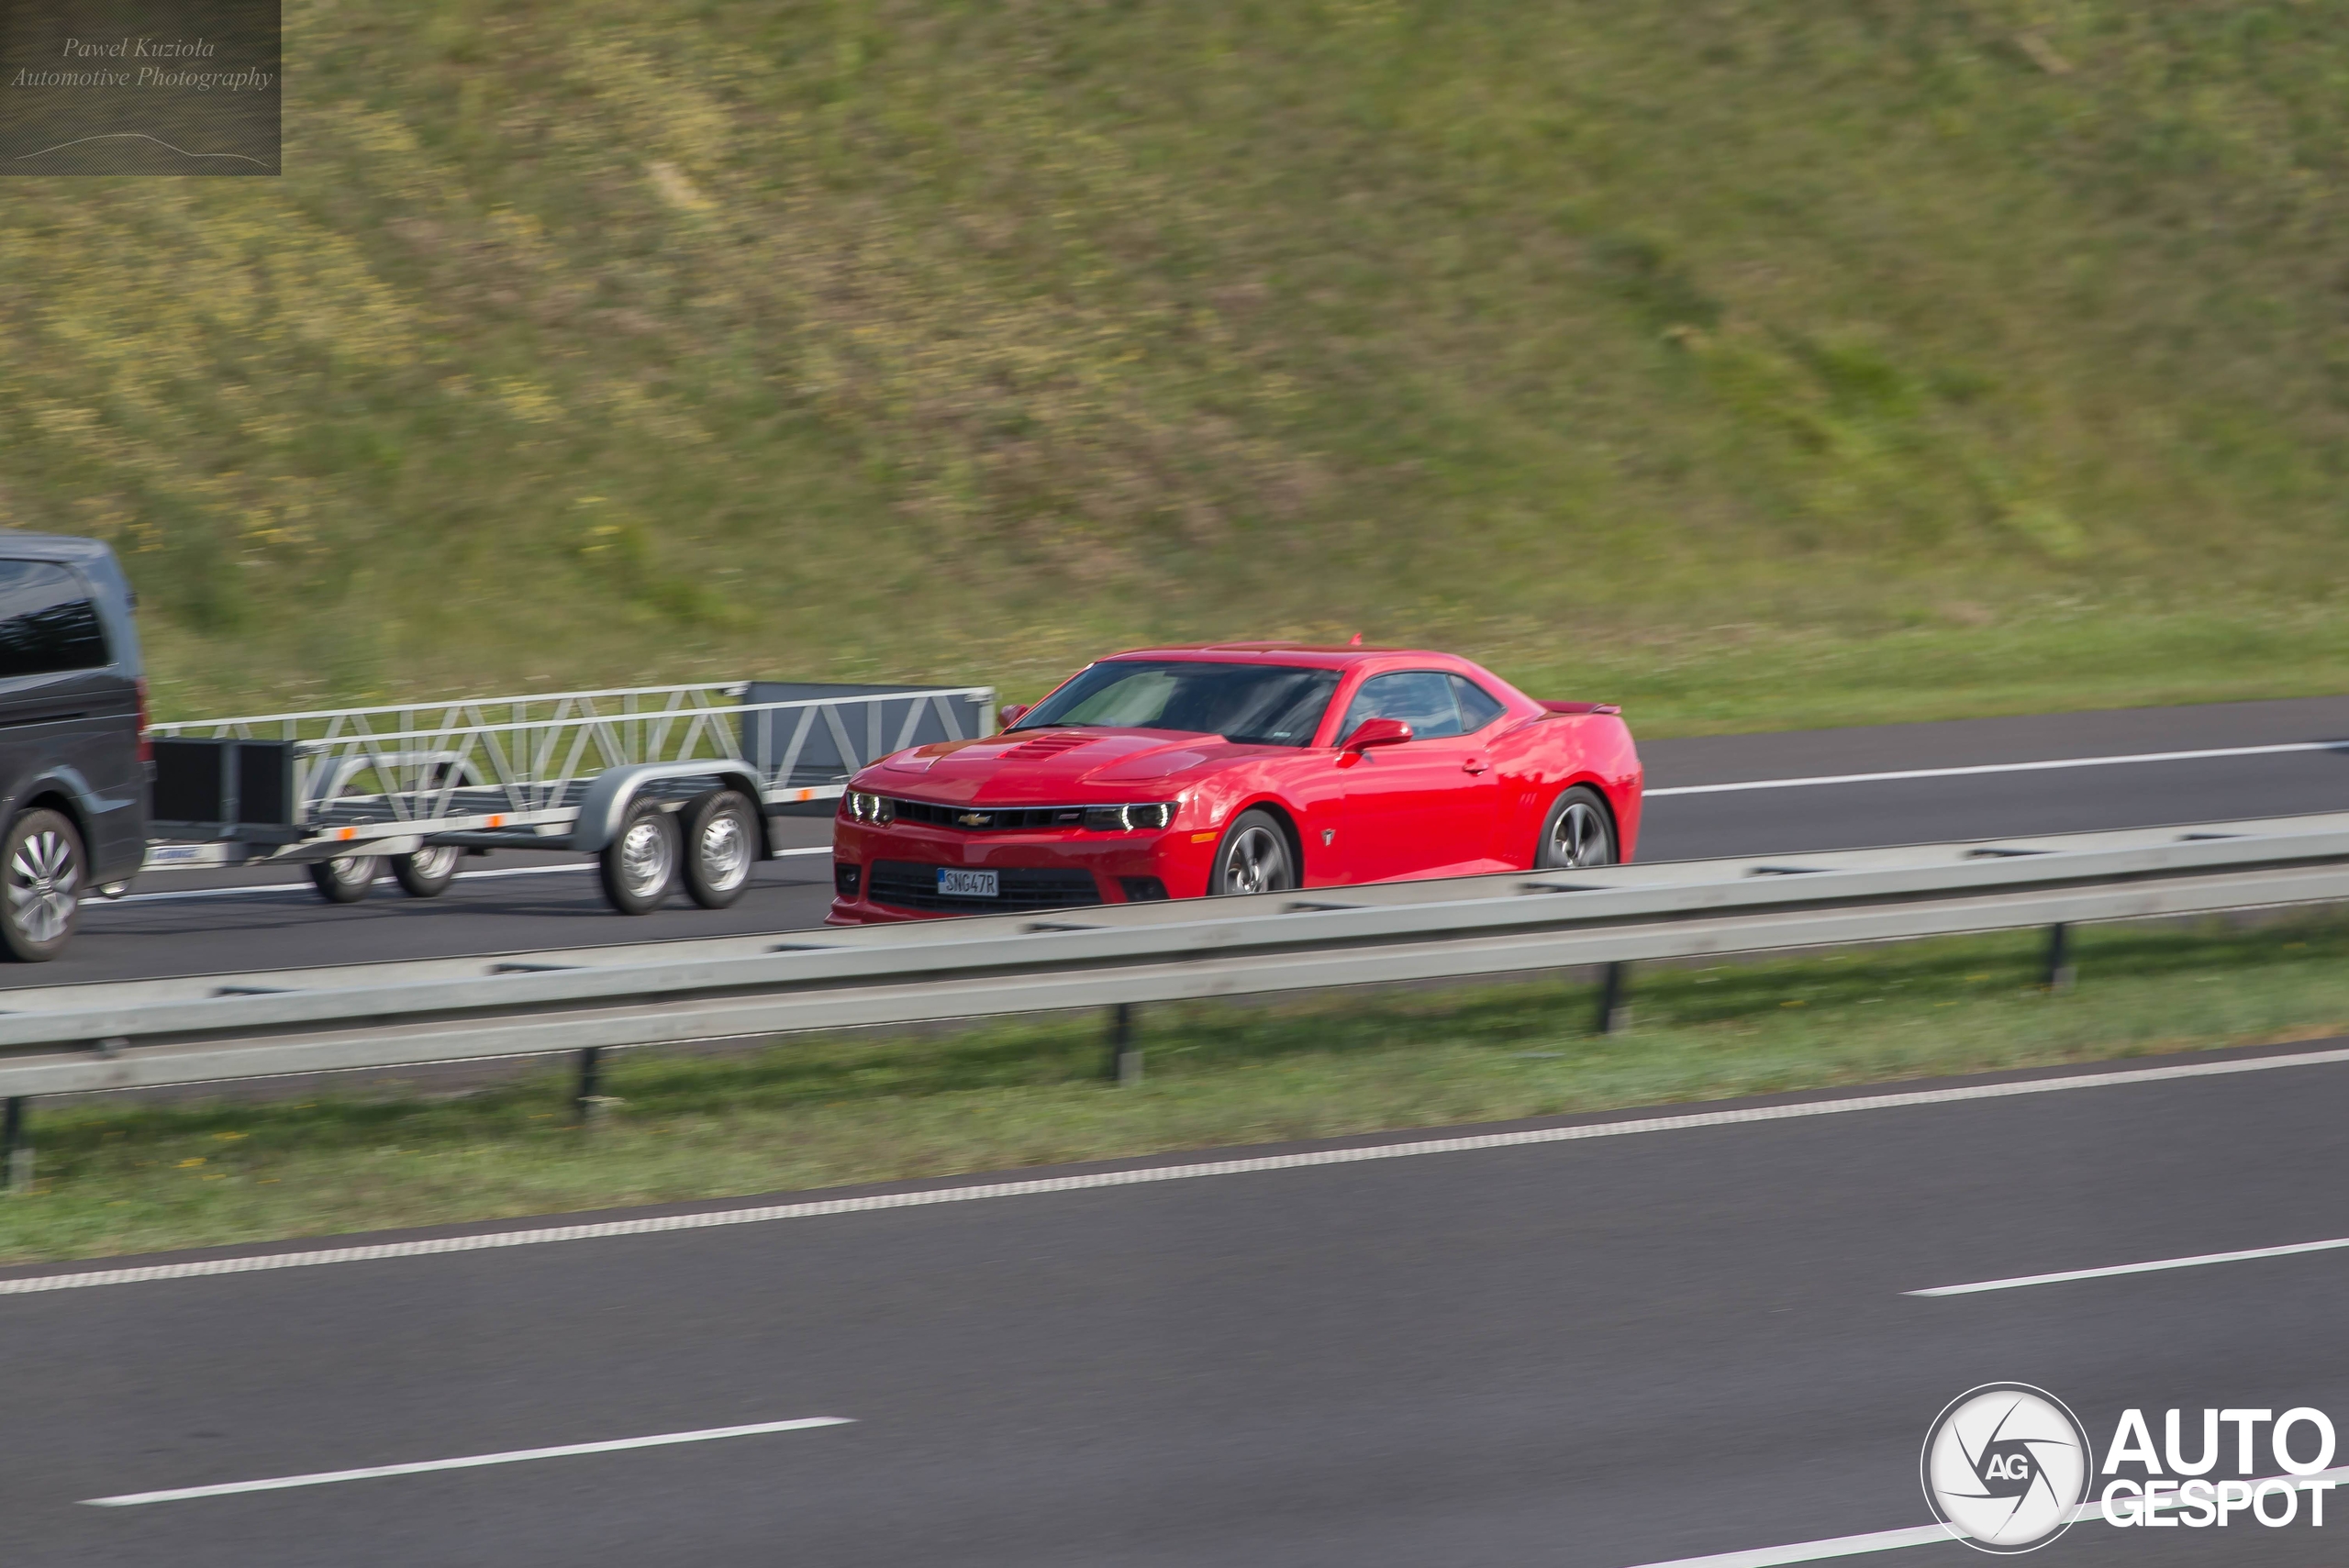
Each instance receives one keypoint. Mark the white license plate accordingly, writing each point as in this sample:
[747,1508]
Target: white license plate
[966,884]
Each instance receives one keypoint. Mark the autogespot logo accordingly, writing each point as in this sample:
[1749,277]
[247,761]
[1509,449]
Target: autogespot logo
[2007,1466]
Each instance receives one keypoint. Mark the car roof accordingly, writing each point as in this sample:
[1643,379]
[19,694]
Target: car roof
[52,547]
[1327,656]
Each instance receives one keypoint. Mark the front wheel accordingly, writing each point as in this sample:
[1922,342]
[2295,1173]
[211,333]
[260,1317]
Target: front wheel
[1577,832]
[346,878]
[43,873]
[1254,857]
[639,865]
[427,873]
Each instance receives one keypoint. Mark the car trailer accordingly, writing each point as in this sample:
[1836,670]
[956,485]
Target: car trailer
[662,783]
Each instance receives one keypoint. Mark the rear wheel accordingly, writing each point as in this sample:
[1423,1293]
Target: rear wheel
[1577,832]
[640,866]
[721,840]
[43,874]
[347,878]
[424,873]
[1254,857]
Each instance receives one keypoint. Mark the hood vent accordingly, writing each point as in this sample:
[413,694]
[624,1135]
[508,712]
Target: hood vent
[1044,746]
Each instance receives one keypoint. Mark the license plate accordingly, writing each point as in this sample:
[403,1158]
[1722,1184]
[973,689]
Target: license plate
[966,884]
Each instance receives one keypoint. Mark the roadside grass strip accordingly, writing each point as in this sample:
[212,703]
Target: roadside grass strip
[1152,1175]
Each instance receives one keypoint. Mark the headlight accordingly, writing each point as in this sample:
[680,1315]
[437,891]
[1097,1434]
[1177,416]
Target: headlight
[874,809]
[1129,819]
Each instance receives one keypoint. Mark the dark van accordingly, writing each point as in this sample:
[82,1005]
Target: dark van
[72,746]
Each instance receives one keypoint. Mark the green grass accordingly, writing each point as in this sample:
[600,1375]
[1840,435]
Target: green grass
[1756,365]
[118,1177]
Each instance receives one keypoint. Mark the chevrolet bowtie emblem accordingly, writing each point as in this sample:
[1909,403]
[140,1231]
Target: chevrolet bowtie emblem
[972,819]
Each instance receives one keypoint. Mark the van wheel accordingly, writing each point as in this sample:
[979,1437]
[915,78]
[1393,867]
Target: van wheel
[640,866]
[43,874]
[721,840]
[424,873]
[347,878]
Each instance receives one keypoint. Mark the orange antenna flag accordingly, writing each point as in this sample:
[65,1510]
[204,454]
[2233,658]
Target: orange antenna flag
[1354,641]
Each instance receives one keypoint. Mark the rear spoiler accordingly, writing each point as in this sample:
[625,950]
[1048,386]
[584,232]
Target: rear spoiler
[1580,707]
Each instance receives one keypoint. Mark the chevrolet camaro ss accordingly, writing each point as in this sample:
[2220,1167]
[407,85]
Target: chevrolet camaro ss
[1247,767]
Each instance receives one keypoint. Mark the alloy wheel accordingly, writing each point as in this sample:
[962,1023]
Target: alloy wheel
[44,884]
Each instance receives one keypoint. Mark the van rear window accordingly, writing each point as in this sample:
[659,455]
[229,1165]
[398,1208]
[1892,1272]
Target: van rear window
[48,622]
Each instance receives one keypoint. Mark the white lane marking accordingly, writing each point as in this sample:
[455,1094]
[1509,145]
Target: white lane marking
[469,1461]
[1923,1535]
[1815,1551]
[306,887]
[1153,1174]
[2117,1269]
[2003,768]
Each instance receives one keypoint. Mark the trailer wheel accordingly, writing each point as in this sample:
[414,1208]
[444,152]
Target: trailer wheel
[426,872]
[40,865]
[346,879]
[721,840]
[640,866]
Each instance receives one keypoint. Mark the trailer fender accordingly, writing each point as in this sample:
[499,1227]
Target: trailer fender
[615,789]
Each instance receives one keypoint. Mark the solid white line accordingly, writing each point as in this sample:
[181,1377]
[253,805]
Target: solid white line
[1919,1535]
[2156,1267]
[469,1461]
[1154,1175]
[2003,768]
[306,887]
[1816,1551]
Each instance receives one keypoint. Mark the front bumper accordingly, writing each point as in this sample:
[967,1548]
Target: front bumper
[895,869]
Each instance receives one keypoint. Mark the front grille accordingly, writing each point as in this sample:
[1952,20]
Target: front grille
[904,885]
[989,818]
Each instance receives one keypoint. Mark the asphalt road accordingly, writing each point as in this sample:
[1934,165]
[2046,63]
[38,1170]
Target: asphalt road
[1600,1353]
[185,924]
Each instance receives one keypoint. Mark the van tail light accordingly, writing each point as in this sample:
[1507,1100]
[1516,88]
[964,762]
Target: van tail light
[146,742]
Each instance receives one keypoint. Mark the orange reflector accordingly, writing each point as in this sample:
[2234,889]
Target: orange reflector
[1202,837]
[348,834]
[497,821]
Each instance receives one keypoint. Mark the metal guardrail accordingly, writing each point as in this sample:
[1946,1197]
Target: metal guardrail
[137,1034]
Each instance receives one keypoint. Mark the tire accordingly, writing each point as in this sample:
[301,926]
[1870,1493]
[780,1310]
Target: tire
[427,873]
[640,866]
[346,879]
[1254,857]
[42,865]
[722,841]
[1577,832]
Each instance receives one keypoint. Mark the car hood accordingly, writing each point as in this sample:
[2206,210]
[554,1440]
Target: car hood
[1056,766]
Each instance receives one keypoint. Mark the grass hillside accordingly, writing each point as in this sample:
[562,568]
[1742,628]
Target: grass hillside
[1759,364]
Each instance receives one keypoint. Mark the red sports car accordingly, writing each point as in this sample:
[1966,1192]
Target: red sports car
[1239,767]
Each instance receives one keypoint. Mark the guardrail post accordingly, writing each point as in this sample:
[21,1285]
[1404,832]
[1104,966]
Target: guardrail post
[588,1103]
[1124,1056]
[2061,971]
[16,1154]
[1611,986]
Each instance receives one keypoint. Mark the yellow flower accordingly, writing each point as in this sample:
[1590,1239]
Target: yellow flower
[191,1164]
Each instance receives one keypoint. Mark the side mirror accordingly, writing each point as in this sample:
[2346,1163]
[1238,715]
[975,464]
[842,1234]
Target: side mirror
[1377,732]
[1013,711]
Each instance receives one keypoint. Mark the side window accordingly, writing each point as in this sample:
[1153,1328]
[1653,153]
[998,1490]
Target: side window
[1421,698]
[48,622]
[1478,707]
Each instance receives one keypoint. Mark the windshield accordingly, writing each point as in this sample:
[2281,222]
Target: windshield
[1257,705]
